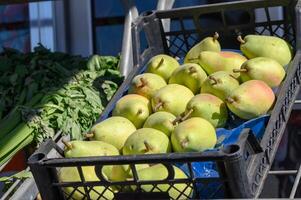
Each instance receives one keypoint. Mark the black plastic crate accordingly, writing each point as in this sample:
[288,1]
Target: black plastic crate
[241,167]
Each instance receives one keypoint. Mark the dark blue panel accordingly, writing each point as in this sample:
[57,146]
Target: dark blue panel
[109,39]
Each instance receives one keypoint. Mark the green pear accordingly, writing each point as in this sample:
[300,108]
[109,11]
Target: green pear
[221,61]
[208,107]
[193,135]
[134,107]
[207,44]
[220,84]
[162,65]
[146,84]
[75,149]
[71,174]
[114,130]
[251,99]
[162,121]
[160,172]
[190,75]
[146,141]
[266,46]
[172,98]
[124,172]
[262,68]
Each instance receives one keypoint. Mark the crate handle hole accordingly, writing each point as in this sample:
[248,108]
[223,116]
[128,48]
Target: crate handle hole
[230,149]
[36,157]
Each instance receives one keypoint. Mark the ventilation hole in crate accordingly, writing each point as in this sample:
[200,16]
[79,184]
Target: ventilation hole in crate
[274,133]
[76,193]
[179,190]
[260,15]
[36,157]
[175,25]
[212,21]
[246,155]
[277,124]
[230,149]
[278,30]
[189,24]
[257,178]
[143,41]
[263,160]
[176,46]
[192,40]
[237,17]
[262,30]
[156,188]
[270,144]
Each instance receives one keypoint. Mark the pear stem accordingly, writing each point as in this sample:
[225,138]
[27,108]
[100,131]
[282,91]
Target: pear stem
[230,100]
[240,70]
[187,114]
[192,70]
[142,83]
[178,119]
[212,79]
[89,135]
[160,63]
[239,38]
[147,146]
[215,36]
[67,144]
[158,106]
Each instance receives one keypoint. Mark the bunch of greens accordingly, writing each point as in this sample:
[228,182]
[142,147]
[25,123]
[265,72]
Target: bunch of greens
[72,106]
[23,75]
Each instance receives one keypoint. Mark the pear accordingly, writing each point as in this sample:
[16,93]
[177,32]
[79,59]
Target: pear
[220,84]
[221,61]
[207,44]
[162,121]
[266,46]
[193,135]
[172,98]
[262,68]
[114,130]
[146,141]
[124,172]
[190,75]
[162,65]
[71,174]
[146,84]
[134,107]
[75,149]
[251,99]
[208,107]
[160,172]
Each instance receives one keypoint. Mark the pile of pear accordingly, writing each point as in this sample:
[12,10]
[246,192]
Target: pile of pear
[177,108]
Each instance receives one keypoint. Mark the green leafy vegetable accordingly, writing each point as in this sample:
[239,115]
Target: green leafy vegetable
[53,92]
